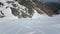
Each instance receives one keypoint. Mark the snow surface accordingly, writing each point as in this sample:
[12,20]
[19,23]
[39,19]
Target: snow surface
[42,24]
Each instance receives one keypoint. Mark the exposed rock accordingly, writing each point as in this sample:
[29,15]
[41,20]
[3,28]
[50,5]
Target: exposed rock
[39,6]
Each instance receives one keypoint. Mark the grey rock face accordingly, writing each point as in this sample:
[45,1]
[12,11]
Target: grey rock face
[24,8]
[41,7]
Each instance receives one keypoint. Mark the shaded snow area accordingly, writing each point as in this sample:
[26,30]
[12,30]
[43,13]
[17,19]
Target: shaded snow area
[38,24]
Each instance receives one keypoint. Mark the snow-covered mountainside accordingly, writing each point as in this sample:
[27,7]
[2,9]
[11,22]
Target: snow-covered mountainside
[24,10]
[38,24]
[13,8]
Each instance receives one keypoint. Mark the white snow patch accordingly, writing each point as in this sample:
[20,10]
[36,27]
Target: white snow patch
[37,15]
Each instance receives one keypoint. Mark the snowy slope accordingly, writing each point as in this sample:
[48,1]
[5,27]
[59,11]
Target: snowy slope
[42,24]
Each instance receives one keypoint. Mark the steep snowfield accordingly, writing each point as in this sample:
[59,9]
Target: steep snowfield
[38,24]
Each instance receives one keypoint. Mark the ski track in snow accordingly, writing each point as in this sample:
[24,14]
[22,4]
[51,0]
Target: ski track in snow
[37,25]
